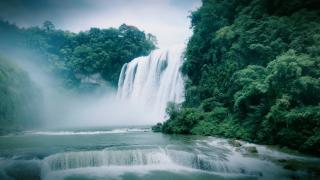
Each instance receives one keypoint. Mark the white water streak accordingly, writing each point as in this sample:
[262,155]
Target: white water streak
[64,133]
[152,81]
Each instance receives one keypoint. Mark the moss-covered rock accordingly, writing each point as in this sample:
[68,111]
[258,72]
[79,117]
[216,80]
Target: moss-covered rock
[234,143]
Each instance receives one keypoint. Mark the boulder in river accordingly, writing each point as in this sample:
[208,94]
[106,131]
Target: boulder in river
[234,143]
[251,149]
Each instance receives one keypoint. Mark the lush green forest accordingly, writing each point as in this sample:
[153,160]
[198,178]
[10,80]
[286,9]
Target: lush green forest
[253,69]
[68,54]
[20,98]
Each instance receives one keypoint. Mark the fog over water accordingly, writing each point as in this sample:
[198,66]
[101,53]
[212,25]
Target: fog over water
[63,108]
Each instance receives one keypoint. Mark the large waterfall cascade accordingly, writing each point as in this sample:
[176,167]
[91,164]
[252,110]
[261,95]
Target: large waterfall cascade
[152,81]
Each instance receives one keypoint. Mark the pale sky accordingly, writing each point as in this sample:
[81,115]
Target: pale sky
[166,19]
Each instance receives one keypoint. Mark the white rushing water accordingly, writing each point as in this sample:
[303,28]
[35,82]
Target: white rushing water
[142,154]
[202,157]
[64,133]
[152,81]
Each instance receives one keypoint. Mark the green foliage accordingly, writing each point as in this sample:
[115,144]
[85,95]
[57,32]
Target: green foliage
[183,121]
[157,127]
[68,55]
[20,99]
[257,61]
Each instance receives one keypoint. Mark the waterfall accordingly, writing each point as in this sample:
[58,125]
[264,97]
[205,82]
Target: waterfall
[107,157]
[140,156]
[152,81]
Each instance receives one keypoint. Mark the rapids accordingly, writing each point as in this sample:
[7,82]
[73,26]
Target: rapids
[138,153]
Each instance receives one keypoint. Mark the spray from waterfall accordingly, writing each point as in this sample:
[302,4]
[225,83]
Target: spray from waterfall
[150,82]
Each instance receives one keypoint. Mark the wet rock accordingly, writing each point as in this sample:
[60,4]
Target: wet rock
[290,167]
[234,143]
[251,149]
[282,160]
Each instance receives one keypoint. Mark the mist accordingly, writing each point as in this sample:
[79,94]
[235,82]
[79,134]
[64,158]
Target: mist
[62,107]
[65,108]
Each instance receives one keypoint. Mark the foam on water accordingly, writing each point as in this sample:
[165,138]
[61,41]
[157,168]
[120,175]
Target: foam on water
[213,156]
[199,158]
[64,133]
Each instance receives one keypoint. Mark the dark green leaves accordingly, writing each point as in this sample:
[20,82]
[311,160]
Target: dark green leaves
[258,61]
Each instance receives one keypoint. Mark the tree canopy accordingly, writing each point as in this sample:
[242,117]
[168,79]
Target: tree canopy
[68,54]
[253,71]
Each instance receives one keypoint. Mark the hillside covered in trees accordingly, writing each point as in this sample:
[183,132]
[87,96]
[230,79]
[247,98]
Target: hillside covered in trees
[20,98]
[73,55]
[253,69]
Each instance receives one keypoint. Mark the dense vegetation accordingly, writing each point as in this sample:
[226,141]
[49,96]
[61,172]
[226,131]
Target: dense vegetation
[20,98]
[74,55]
[253,69]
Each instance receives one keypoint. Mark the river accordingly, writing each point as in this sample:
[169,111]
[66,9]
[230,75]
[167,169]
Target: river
[138,153]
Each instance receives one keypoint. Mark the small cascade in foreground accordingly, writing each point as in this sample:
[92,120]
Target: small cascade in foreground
[152,81]
[140,156]
[108,157]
